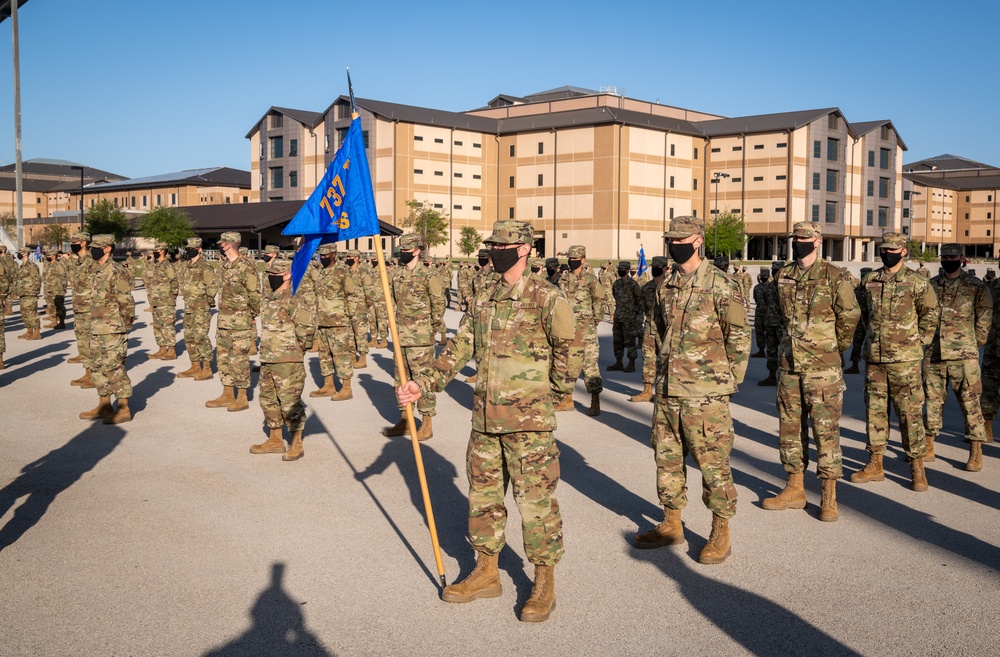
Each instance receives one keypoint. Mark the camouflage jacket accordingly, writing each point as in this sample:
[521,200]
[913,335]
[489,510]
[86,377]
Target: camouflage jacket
[964,322]
[772,316]
[705,336]
[522,337]
[819,312]
[286,328]
[418,304]
[161,282]
[628,301]
[54,275]
[364,288]
[29,279]
[81,279]
[465,282]
[585,296]
[8,272]
[112,306]
[649,304]
[484,278]
[239,295]
[993,341]
[902,315]
[335,291]
[199,284]
[760,301]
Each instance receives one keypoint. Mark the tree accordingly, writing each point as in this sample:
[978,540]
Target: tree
[54,235]
[104,217]
[163,224]
[8,221]
[469,241]
[914,252]
[729,229]
[431,225]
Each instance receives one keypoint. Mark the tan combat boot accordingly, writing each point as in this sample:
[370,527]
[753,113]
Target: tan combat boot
[975,463]
[719,546]
[383,343]
[771,380]
[543,596]
[426,430]
[170,353]
[644,396]
[630,367]
[668,532]
[396,430]
[792,497]
[240,403]
[482,582]
[828,504]
[156,354]
[345,391]
[75,359]
[929,455]
[191,371]
[361,362]
[223,400]
[565,404]
[205,371]
[919,476]
[85,377]
[275,444]
[373,343]
[315,348]
[102,410]
[120,416]
[295,451]
[872,470]
[24,336]
[88,381]
[616,366]
[34,334]
[595,404]
[327,389]
[472,379]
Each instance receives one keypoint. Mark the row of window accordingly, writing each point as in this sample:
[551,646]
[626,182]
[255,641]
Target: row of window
[278,178]
[831,212]
[278,147]
[756,147]
[124,201]
[475,176]
[883,158]
[440,140]
[832,149]
[883,217]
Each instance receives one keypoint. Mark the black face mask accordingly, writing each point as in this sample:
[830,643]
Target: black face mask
[574,264]
[951,266]
[350,262]
[552,270]
[483,262]
[657,271]
[275,281]
[681,252]
[622,273]
[20,256]
[535,270]
[76,248]
[97,252]
[890,260]
[406,257]
[326,261]
[801,249]
[503,259]
[191,253]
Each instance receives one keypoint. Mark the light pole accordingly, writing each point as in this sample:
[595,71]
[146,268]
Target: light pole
[81,193]
[909,226]
[716,177]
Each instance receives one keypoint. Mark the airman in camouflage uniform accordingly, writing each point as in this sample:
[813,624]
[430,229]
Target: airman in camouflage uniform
[419,307]
[112,312]
[772,325]
[760,312]
[586,297]
[536,265]
[552,272]
[465,284]
[627,319]
[702,319]
[29,284]
[485,278]
[5,294]
[81,272]
[378,314]
[923,271]
[607,278]
[522,333]
[651,337]
[129,268]
[439,328]
[10,267]
[819,312]
[363,300]
[862,329]
[335,292]
[964,325]
[199,284]
[162,288]
[54,277]
[990,400]
[903,315]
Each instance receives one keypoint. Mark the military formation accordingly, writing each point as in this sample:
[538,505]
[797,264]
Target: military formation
[531,326]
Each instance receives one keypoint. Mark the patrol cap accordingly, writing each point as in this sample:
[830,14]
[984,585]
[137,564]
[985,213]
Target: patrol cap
[230,237]
[511,231]
[80,236]
[952,249]
[806,230]
[776,265]
[892,240]
[681,227]
[279,266]
[243,250]
[624,264]
[721,261]
[24,249]
[989,270]
[161,246]
[327,248]
[103,240]
[536,262]
[50,251]
[554,262]
[353,253]
[271,249]
[765,270]
[660,261]
[409,241]
[577,251]
[971,272]
[194,243]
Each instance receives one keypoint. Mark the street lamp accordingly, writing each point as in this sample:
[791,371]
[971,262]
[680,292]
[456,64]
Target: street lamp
[716,177]
[81,193]
[909,227]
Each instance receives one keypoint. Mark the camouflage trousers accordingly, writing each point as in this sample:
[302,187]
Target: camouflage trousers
[623,336]
[359,333]
[772,338]
[591,352]
[163,326]
[197,321]
[378,321]
[280,395]
[758,329]
[530,461]
[336,351]
[29,311]
[3,340]
[859,341]
[419,359]
[968,386]
[703,428]
[650,350]
[108,364]
[232,355]
[81,328]
[804,398]
[55,306]
[901,384]
[991,387]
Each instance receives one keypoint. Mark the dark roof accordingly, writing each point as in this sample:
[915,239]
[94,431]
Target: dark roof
[9,184]
[982,179]
[5,8]
[566,91]
[44,167]
[763,122]
[945,163]
[199,177]
[423,115]
[595,116]
[253,217]
[862,128]
[305,117]
[504,100]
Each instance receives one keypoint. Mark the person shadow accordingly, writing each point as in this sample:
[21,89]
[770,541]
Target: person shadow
[382,397]
[41,481]
[36,353]
[278,626]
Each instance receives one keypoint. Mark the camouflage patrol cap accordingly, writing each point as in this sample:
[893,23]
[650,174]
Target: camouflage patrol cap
[272,249]
[952,249]
[510,231]
[3,248]
[577,251]
[989,270]
[327,248]
[103,240]
[353,253]
[483,253]
[409,241]
[161,246]
[660,261]
[243,250]
[552,261]
[194,243]
[806,230]
[50,251]
[536,262]
[624,264]
[230,237]
[892,240]
[765,270]
[24,249]
[80,236]
[681,227]
[279,266]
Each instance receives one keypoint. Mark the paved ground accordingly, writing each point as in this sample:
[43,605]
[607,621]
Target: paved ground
[166,537]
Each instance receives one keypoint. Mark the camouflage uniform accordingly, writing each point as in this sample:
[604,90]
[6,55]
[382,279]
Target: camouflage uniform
[628,314]
[29,284]
[964,324]
[991,363]
[522,337]
[8,268]
[5,294]
[362,300]
[81,269]
[586,297]
[607,278]
[239,305]
[464,284]
[111,316]
[552,271]
[162,287]
[923,271]
[651,342]
[760,310]
[129,269]
[772,321]
[862,329]
[335,291]
[54,277]
[199,285]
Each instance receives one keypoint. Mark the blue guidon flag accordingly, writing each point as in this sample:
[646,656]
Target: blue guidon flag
[342,207]
[642,262]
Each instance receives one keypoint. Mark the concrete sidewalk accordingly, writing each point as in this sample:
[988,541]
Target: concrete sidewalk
[164,536]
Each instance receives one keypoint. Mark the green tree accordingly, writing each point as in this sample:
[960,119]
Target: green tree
[54,235]
[730,231]
[104,217]
[163,224]
[914,252]
[469,241]
[8,221]
[431,225]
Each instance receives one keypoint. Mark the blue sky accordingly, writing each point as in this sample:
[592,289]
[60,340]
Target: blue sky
[139,91]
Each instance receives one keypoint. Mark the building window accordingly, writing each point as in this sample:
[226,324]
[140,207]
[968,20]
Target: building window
[832,149]
[173,199]
[159,200]
[758,178]
[883,188]
[512,150]
[326,143]
[671,213]
[758,147]
[439,173]
[539,212]
[143,200]
[695,183]
[293,147]
[871,188]
[458,175]
[133,201]
[815,212]
[817,149]
[831,212]
[816,181]
[476,176]
[293,178]
[475,145]
[716,150]
[671,182]
[458,207]
[870,217]
[512,182]
[989,198]
[671,150]
[418,138]
[967,215]
[276,120]
[510,213]
[541,148]
[883,158]
[438,140]
[716,211]
[906,195]
[831,180]
[906,213]
[696,153]
[418,172]
[779,210]
[737,210]
[277,177]
[883,216]
[540,179]
[736,180]
[871,158]
[694,213]
[966,198]
[832,122]
[458,143]
[476,208]
[782,144]
[261,156]
[780,177]
[757,210]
